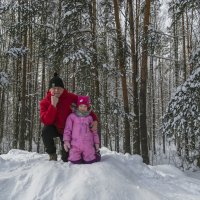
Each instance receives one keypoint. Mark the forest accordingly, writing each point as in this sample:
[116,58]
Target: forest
[138,60]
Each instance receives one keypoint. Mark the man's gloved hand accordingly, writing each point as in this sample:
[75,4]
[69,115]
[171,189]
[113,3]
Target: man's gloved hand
[67,146]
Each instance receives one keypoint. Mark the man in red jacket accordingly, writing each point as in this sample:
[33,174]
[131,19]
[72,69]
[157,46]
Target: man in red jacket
[54,110]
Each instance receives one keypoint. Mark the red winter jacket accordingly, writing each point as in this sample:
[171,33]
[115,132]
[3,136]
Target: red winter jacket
[50,115]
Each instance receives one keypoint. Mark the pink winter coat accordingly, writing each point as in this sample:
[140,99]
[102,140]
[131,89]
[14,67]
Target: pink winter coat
[77,131]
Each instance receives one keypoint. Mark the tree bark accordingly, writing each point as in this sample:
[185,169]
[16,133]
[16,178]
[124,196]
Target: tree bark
[122,68]
[23,113]
[143,86]
[175,27]
[184,50]
[95,63]
[136,133]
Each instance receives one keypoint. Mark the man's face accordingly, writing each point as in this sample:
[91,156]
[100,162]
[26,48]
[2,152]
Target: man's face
[56,91]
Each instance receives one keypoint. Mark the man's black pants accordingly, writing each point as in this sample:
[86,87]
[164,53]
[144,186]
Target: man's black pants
[48,135]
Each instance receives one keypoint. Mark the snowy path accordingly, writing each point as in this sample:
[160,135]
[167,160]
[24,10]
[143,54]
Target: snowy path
[30,176]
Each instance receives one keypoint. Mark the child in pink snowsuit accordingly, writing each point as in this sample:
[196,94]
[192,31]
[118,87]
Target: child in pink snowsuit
[79,140]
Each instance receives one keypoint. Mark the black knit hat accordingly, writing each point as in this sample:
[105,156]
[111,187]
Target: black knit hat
[56,81]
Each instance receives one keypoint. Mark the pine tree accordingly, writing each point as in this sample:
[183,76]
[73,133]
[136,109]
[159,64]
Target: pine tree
[182,119]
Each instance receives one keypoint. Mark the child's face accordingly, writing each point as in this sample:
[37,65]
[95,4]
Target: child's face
[82,107]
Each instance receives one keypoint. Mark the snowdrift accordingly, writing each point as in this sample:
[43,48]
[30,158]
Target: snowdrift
[30,176]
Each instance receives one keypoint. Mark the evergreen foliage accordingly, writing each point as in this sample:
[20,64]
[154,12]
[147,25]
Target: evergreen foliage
[181,123]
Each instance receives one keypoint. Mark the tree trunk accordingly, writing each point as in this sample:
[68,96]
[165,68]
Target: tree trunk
[2,116]
[16,98]
[95,63]
[22,133]
[153,132]
[106,132]
[122,68]
[184,50]
[162,101]
[143,86]
[176,49]
[31,99]
[117,138]
[136,134]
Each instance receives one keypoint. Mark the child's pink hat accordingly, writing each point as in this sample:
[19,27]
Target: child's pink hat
[83,100]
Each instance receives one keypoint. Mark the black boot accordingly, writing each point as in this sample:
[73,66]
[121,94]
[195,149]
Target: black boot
[53,157]
[64,155]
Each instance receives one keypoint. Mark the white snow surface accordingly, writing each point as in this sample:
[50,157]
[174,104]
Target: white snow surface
[30,176]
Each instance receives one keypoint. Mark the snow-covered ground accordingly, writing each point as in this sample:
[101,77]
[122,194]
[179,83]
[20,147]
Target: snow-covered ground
[30,176]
